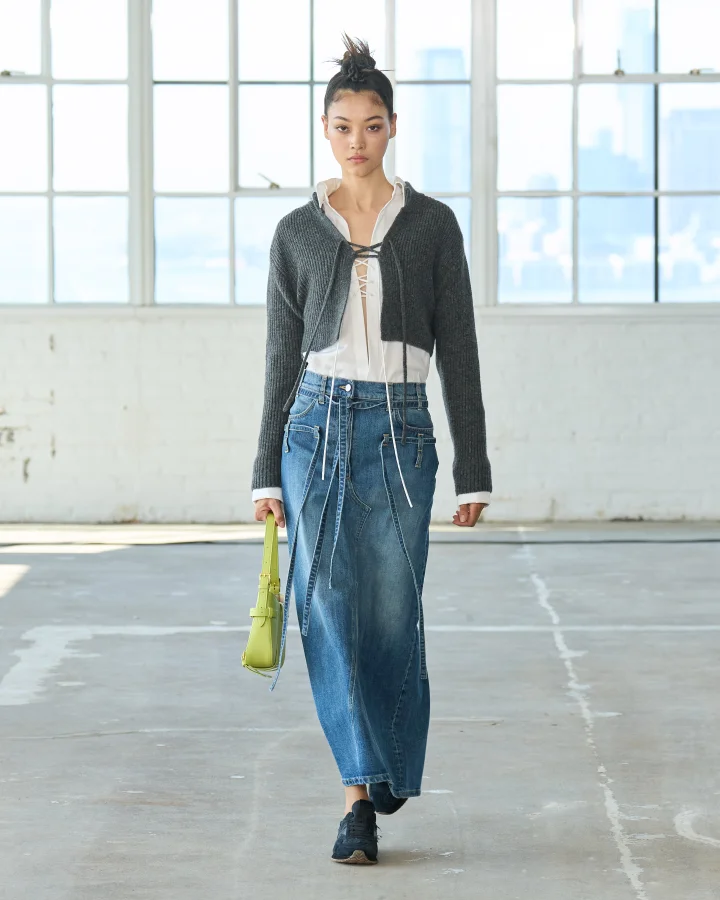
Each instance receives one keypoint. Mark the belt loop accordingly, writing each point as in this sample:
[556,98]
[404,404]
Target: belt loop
[418,391]
[321,398]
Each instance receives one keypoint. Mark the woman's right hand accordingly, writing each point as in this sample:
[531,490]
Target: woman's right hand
[270,504]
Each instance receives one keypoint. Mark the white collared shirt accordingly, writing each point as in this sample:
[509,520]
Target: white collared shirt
[352,355]
[356,357]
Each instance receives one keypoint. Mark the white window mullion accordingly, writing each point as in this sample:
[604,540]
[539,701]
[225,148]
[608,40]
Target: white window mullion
[46,75]
[314,111]
[577,71]
[390,16]
[140,138]
[483,154]
[233,90]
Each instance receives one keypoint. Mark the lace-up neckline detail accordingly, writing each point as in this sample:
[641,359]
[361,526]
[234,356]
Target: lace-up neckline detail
[362,270]
[362,276]
[366,250]
[361,252]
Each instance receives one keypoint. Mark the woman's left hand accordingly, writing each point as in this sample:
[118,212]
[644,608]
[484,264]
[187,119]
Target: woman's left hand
[468,513]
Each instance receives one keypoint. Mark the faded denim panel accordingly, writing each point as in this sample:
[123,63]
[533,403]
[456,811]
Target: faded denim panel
[358,554]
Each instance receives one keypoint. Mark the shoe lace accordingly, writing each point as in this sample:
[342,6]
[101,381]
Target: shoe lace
[360,828]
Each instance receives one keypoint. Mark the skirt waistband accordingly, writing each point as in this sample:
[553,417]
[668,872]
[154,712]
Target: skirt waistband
[361,390]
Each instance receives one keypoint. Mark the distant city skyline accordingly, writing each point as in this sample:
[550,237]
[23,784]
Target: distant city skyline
[615,233]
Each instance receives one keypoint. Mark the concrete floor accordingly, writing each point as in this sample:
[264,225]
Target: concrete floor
[574,751]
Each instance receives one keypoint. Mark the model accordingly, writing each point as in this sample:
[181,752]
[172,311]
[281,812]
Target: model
[366,280]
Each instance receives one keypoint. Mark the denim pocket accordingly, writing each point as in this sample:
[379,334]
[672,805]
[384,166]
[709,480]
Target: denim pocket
[418,455]
[300,433]
[303,405]
[417,418]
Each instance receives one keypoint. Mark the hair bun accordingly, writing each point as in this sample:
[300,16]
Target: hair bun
[358,73]
[355,66]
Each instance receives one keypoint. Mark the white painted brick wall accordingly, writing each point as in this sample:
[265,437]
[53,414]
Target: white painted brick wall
[112,415]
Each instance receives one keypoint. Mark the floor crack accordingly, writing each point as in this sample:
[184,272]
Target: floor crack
[578,692]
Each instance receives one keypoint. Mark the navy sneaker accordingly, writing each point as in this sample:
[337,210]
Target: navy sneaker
[357,840]
[384,801]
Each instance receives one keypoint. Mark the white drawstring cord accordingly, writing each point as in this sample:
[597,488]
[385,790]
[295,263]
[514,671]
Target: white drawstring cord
[332,387]
[327,423]
[392,429]
[387,394]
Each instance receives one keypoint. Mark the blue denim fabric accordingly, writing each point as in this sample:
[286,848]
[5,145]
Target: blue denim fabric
[358,583]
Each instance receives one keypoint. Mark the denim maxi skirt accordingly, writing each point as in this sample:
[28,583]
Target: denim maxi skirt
[358,553]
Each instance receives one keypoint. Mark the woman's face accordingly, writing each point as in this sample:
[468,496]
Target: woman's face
[359,129]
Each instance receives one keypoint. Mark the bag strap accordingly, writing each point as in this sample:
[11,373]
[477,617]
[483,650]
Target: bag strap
[270,572]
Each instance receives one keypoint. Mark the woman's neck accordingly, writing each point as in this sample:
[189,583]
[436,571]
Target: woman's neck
[362,194]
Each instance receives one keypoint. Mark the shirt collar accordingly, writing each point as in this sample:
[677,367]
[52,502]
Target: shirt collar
[327,186]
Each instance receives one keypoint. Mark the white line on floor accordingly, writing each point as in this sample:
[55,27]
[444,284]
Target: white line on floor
[9,577]
[24,682]
[549,629]
[67,735]
[684,827]
[62,549]
[578,691]
[200,729]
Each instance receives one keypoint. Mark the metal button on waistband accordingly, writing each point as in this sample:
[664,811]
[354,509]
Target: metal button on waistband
[347,387]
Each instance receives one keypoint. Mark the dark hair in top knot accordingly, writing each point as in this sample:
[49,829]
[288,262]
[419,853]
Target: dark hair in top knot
[355,68]
[358,73]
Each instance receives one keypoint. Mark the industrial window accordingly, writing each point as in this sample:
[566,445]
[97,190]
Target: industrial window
[608,151]
[149,148]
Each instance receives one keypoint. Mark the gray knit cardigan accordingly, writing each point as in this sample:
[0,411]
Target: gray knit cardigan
[427,302]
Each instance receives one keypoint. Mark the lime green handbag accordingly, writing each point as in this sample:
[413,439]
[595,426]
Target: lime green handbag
[263,647]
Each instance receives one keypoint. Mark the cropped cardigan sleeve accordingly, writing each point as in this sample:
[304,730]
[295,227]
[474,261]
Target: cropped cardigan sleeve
[282,356]
[457,360]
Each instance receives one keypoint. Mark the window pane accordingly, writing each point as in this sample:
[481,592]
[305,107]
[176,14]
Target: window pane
[23,160]
[192,246]
[23,250]
[191,138]
[332,17]
[535,40]
[326,166]
[433,136]
[535,250]
[461,207]
[91,249]
[618,34]
[690,137]
[689,249]
[290,57]
[689,32]
[537,117]
[90,137]
[20,36]
[255,221]
[615,137]
[616,250]
[89,39]
[431,46]
[274,135]
[190,40]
